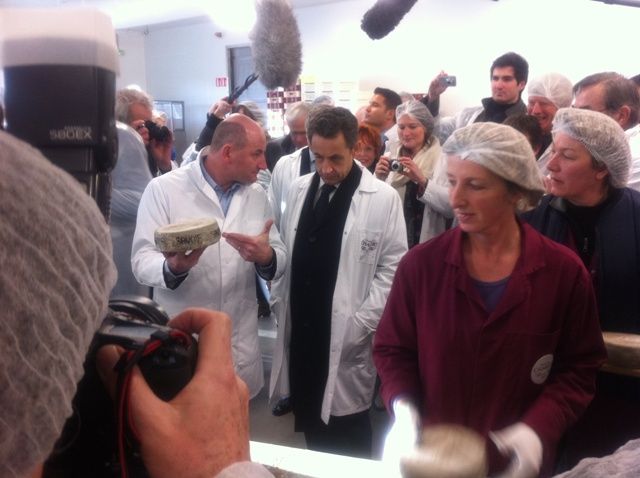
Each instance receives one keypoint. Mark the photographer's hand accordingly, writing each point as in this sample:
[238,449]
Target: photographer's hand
[437,86]
[142,130]
[161,153]
[253,248]
[382,168]
[412,171]
[205,428]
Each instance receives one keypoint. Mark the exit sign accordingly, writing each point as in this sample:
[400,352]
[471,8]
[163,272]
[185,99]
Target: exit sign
[221,81]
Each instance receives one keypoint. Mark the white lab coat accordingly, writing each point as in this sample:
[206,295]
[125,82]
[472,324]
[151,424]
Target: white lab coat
[437,209]
[633,136]
[286,170]
[221,280]
[374,241]
[445,126]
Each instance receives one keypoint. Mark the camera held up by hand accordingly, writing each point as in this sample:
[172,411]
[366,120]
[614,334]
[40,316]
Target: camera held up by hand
[97,440]
[159,133]
[396,165]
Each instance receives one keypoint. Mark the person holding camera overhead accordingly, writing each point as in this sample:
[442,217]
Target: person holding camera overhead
[508,74]
[411,165]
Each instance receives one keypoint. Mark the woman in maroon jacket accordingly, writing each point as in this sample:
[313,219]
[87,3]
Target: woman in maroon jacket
[491,325]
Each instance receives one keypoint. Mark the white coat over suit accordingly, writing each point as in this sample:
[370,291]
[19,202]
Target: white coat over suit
[373,242]
[286,170]
[221,280]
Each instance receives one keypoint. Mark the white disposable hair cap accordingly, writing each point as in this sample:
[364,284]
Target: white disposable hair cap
[502,150]
[419,111]
[603,137]
[554,87]
[56,276]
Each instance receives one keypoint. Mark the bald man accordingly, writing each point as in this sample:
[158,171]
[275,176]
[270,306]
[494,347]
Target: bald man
[220,186]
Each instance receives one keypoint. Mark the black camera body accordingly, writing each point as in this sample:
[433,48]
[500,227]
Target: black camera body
[396,165]
[159,133]
[168,369]
[88,443]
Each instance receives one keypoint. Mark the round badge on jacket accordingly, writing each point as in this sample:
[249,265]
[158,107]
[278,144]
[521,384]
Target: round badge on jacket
[541,369]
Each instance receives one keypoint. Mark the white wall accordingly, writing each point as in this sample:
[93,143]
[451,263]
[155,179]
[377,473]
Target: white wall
[573,37]
[132,59]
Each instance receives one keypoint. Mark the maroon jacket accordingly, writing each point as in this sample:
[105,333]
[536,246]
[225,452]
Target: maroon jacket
[437,344]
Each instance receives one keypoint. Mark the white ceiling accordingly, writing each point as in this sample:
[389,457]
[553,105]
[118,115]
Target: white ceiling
[144,13]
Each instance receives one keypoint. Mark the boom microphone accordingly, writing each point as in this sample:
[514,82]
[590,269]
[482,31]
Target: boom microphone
[384,16]
[275,47]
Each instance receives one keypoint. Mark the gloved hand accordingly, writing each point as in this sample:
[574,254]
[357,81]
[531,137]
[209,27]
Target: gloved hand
[403,434]
[524,447]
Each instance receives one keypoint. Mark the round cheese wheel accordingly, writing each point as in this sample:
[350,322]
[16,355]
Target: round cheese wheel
[447,451]
[623,349]
[187,235]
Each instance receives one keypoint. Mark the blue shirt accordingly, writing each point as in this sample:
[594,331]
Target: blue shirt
[224,197]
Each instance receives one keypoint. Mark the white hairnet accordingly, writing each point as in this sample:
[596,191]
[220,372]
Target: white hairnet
[554,87]
[55,279]
[419,111]
[502,150]
[602,136]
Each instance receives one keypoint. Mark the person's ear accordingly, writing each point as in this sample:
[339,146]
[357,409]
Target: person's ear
[601,171]
[391,113]
[226,152]
[521,85]
[622,115]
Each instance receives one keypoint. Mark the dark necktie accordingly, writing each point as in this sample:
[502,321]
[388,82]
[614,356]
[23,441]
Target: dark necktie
[320,209]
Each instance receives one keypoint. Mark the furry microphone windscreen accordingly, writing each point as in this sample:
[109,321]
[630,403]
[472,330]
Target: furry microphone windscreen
[384,16]
[275,44]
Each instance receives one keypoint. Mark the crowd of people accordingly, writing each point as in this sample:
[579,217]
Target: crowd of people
[470,263]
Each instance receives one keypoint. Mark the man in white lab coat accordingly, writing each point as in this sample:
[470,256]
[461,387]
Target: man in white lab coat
[222,276]
[345,234]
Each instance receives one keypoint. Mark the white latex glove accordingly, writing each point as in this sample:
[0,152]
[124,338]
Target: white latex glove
[524,447]
[403,434]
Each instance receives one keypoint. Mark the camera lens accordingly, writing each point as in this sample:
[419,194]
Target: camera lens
[395,165]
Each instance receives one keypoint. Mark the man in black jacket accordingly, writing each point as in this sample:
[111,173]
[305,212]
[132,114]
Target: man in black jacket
[296,117]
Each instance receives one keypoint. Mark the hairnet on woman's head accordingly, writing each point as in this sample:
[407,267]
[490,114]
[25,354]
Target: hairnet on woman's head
[502,150]
[602,136]
[56,276]
[419,111]
[554,87]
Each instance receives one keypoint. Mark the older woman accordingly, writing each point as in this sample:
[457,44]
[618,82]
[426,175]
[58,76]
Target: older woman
[416,158]
[590,210]
[368,146]
[491,325]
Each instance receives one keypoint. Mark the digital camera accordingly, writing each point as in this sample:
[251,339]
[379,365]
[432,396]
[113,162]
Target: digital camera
[159,133]
[88,445]
[449,80]
[396,165]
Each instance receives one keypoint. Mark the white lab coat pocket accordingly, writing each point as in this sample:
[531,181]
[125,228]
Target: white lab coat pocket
[369,244]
